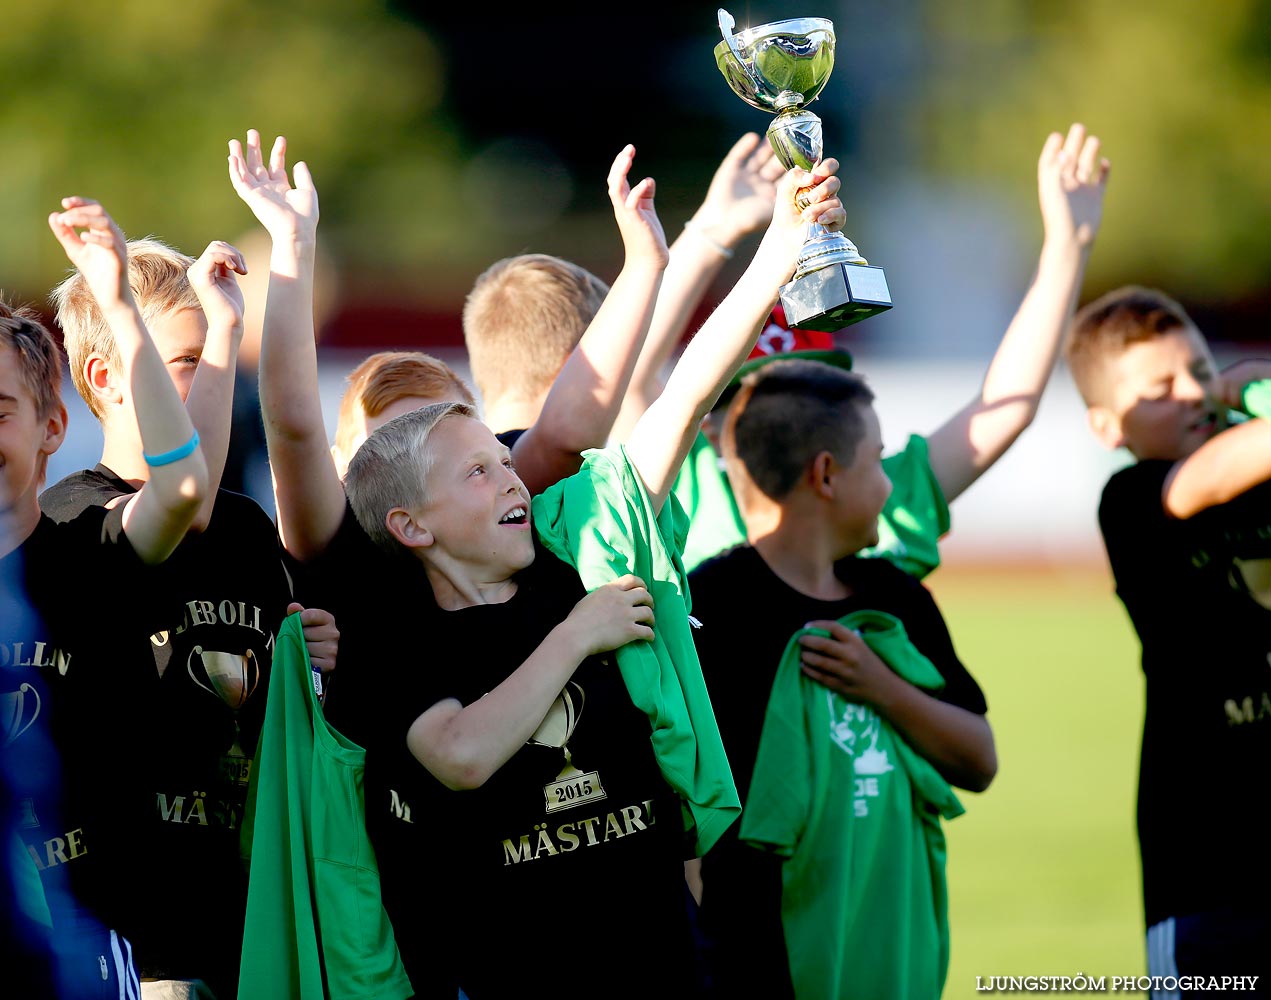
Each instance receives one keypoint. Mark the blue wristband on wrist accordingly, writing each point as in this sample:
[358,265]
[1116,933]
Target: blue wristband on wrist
[175,455]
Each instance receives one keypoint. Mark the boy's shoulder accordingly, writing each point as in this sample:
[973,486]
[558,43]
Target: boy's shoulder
[72,495]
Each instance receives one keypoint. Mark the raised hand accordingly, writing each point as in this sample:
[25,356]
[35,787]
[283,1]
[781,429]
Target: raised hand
[1071,180]
[818,190]
[213,281]
[98,251]
[642,235]
[286,212]
[742,192]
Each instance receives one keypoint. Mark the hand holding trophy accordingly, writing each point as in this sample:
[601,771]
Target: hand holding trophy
[781,68]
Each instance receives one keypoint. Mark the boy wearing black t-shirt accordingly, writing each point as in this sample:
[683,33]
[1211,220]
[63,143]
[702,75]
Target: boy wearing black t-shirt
[1188,533]
[803,446]
[556,852]
[202,624]
[66,674]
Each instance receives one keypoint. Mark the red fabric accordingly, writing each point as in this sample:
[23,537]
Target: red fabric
[778,337]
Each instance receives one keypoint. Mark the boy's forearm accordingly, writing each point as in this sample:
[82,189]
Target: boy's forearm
[694,264]
[466,747]
[977,436]
[1226,466]
[211,405]
[161,512]
[308,492]
[958,742]
[586,396]
[662,438]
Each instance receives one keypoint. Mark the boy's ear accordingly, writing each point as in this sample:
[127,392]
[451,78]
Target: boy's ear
[821,475]
[402,525]
[103,381]
[1106,427]
[54,430]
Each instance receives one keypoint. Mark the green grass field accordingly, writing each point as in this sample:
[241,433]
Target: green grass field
[1043,868]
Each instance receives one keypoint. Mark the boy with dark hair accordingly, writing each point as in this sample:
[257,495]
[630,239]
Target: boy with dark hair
[204,622]
[566,795]
[60,670]
[865,867]
[1188,534]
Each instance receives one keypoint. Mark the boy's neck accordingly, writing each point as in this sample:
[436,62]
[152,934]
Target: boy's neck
[513,413]
[18,522]
[456,587]
[799,549]
[122,454]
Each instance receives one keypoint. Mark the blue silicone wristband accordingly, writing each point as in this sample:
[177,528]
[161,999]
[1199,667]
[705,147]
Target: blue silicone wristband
[175,455]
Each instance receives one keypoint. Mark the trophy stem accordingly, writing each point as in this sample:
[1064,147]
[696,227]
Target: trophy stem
[822,248]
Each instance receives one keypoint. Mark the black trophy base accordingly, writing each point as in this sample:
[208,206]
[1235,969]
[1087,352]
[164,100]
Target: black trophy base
[835,296]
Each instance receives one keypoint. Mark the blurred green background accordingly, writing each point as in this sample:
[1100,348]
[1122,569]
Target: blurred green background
[443,137]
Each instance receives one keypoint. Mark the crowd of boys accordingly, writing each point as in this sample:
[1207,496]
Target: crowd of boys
[637,681]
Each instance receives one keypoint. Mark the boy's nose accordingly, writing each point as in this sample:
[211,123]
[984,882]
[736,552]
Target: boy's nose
[1188,387]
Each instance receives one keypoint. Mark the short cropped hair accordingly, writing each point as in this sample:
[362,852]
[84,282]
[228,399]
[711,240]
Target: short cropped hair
[384,378]
[1103,329]
[156,273]
[522,319]
[389,470]
[788,412]
[39,360]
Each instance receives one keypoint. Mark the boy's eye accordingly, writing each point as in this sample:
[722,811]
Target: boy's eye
[188,360]
[507,464]
[476,470]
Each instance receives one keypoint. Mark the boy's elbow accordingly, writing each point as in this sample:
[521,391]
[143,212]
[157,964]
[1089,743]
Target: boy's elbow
[463,776]
[981,770]
[190,491]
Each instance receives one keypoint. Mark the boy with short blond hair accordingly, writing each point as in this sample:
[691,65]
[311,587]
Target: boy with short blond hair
[522,318]
[200,640]
[67,676]
[1188,536]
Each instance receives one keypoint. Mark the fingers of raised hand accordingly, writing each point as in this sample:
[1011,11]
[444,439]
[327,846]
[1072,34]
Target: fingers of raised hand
[1088,161]
[255,161]
[304,179]
[278,158]
[1073,142]
[219,254]
[617,179]
[645,190]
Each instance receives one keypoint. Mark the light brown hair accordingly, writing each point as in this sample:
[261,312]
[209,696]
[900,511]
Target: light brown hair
[39,360]
[384,378]
[1103,329]
[156,274]
[522,319]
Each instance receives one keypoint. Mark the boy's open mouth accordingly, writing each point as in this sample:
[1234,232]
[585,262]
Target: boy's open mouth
[517,515]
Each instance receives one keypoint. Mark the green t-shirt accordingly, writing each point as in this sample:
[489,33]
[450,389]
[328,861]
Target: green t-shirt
[316,927]
[909,530]
[601,522]
[856,813]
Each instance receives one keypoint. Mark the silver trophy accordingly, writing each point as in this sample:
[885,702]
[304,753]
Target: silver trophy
[781,68]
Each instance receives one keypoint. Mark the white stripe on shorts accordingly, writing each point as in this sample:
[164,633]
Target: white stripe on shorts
[1160,957]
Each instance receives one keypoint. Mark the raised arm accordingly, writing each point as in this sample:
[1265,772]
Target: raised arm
[1228,464]
[738,203]
[1071,180]
[583,403]
[661,438]
[307,488]
[462,746]
[211,399]
[158,515]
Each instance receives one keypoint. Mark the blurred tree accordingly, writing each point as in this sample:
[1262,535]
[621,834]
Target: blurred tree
[133,103]
[1180,92]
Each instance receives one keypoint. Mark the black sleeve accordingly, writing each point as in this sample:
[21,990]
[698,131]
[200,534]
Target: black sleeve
[927,631]
[1137,533]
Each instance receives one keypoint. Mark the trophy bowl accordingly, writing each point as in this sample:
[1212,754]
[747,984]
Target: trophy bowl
[779,65]
[780,68]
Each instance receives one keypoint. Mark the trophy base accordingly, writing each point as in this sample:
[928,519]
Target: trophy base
[835,296]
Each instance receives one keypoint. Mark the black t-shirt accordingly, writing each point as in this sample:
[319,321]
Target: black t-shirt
[1198,592]
[64,667]
[208,616]
[563,872]
[748,615]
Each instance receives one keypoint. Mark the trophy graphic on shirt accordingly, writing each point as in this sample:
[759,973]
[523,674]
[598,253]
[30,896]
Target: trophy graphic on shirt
[572,787]
[232,677]
[18,711]
[780,68]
